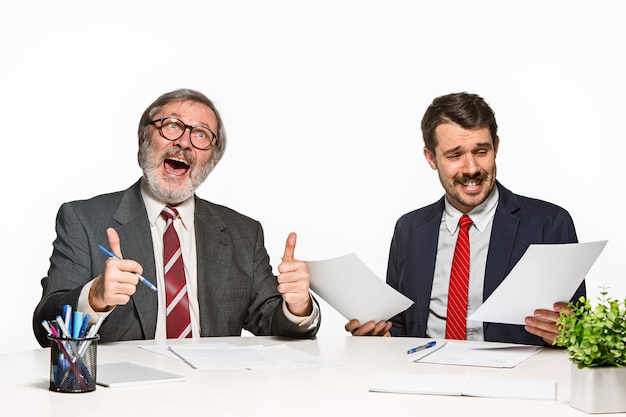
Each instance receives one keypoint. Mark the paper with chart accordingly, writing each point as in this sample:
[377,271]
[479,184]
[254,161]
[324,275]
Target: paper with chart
[545,274]
[351,288]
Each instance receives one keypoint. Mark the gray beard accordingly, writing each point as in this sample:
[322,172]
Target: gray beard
[167,195]
[150,163]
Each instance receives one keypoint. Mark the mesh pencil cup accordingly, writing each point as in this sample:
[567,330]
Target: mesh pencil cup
[73,364]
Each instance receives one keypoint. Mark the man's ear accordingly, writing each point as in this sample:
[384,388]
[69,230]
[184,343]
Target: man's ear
[430,157]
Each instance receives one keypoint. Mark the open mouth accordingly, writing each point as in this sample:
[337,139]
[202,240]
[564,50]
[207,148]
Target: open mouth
[472,185]
[175,166]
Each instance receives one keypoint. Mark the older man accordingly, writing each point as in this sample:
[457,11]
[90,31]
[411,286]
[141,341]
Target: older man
[208,263]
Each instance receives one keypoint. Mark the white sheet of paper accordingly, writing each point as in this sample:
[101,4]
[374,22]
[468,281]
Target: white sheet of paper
[489,355]
[545,274]
[225,356]
[163,350]
[351,288]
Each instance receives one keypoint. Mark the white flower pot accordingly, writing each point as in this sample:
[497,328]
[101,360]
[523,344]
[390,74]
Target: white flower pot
[598,390]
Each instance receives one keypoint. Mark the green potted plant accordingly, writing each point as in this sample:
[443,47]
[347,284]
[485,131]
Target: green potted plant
[595,339]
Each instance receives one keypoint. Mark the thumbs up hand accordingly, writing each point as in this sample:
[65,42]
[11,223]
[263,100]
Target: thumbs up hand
[118,282]
[293,281]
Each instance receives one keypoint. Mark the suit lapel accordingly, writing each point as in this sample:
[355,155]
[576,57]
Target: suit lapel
[504,231]
[424,253]
[136,244]
[214,250]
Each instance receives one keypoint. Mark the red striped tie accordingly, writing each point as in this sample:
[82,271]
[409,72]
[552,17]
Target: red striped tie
[459,281]
[176,298]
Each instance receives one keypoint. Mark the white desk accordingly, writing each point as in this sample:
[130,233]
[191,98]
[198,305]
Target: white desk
[324,391]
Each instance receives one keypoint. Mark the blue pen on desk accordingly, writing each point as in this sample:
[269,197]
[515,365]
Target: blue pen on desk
[422,347]
[142,279]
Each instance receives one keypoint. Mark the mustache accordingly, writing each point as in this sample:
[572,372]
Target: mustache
[479,176]
[178,154]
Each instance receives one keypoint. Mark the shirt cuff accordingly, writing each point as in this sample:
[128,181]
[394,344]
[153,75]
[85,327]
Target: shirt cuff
[309,321]
[85,307]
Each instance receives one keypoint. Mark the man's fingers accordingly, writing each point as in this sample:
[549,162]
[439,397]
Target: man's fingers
[290,248]
[351,325]
[561,306]
[114,242]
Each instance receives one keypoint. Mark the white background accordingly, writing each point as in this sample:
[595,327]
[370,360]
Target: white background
[322,103]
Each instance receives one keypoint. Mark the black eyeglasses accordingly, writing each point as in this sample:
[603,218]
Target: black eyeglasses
[172,128]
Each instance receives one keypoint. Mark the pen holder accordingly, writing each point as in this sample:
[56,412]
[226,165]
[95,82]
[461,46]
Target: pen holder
[73,364]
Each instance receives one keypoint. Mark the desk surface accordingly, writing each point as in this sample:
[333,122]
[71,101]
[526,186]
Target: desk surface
[321,391]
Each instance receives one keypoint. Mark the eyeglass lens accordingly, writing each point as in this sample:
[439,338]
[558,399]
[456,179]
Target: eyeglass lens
[172,129]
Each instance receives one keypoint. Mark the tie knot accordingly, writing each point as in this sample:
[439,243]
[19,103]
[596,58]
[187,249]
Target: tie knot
[465,221]
[169,213]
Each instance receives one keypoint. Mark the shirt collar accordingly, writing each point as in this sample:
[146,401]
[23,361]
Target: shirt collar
[481,215]
[154,207]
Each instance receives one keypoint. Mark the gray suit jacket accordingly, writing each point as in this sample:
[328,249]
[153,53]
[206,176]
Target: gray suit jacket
[236,286]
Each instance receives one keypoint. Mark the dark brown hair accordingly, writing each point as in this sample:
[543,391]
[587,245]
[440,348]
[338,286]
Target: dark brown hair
[467,110]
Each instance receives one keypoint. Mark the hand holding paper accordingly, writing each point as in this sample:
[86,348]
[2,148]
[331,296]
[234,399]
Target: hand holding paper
[351,288]
[546,273]
[544,323]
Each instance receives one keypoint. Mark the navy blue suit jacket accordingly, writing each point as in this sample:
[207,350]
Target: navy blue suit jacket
[518,222]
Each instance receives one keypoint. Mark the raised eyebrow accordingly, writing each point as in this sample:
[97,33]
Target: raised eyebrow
[179,117]
[480,145]
[451,151]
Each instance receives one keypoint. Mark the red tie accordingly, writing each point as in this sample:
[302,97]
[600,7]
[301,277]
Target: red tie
[459,280]
[176,299]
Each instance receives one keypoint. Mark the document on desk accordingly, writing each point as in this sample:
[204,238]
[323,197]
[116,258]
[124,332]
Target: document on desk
[545,274]
[351,288]
[467,385]
[491,355]
[227,356]
[126,374]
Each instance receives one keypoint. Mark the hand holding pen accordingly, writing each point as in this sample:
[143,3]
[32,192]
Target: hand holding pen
[118,282]
[142,279]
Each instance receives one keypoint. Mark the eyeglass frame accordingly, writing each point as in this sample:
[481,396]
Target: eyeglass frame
[186,126]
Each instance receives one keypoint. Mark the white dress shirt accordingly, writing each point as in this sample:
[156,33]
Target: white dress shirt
[480,234]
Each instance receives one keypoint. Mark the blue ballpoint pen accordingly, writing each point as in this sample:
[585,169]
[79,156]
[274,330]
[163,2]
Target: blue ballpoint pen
[83,328]
[422,347]
[77,323]
[142,279]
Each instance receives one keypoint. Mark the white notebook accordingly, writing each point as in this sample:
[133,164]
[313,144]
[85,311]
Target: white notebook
[125,374]
[467,385]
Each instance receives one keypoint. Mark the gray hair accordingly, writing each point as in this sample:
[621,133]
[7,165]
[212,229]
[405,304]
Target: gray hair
[183,94]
